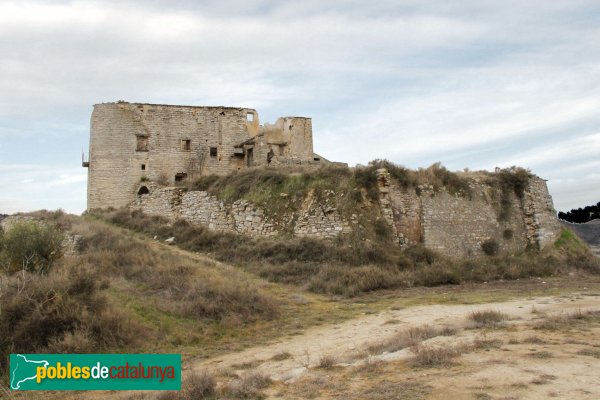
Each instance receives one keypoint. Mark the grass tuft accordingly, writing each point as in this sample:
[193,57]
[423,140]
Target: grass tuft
[410,337]
[433,357]
[488,318]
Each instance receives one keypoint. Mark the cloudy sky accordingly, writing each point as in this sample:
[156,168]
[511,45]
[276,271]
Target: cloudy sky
[474,84]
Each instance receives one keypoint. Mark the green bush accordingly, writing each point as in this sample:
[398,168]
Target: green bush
[405,177]
[63,312]
[31,246]
[366,178]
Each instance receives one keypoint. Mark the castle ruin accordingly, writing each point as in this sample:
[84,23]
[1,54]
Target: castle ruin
[135,142]
[141,153]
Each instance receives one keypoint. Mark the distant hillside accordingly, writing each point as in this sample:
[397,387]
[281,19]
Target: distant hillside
[588,232]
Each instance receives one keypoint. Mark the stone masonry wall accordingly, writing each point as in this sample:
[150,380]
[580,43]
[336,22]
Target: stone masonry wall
[455,225]
[133,142]
[119,160]
[320,218]
[199,207]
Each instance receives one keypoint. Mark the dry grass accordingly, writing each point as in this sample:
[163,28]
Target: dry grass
[486,344]
[409,338]
[196,386]
[327,361]
[488,318]
[543,355]
[568,321]
[73,307]
[363,261]
[589,352]
[534,340]
[249,386]
[370,366]
[390,390]
[433,357]
[309,387]
[543,379]
[281,356]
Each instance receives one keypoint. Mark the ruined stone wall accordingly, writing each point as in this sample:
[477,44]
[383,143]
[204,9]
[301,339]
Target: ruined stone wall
[453,224]
[119,159]
[131,142]
[199,207]
[320,218]
[290,139]
[400,208]
[458,225]
[539,214]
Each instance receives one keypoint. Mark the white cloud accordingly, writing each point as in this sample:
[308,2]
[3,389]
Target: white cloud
[475,84]
[28,187]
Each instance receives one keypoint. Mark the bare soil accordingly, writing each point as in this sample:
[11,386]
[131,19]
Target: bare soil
[522,363]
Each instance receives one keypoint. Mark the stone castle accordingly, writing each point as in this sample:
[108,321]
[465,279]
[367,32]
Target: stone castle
[139,152]
[133,142]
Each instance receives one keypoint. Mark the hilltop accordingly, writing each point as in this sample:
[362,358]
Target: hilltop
[126,290]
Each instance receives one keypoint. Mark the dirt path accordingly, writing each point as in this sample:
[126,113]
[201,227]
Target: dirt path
[347,339]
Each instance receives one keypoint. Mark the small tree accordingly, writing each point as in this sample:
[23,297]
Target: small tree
[196,165]
[30,246]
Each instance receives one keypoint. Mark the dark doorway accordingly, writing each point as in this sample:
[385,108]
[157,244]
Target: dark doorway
[249,158]
[143,190]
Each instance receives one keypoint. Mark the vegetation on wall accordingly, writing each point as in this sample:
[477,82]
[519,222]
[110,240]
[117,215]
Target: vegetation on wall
[351,264]
[281,191]
[509,182]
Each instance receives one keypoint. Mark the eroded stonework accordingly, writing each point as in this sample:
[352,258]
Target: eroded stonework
[135,142]
[453,224]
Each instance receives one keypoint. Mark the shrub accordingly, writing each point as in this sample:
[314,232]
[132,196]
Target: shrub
[31,246]
[439,176]
[196,386]
[347,265]
[281,356]
[204,182]
[249,386]
[568,321]
[490,247]
[510,181]
[327,361]
[410,337]
[508,234]
[405,177]
[199,386]
[382,229]
[431,357]
[487,318]
[62,311]
[366,178]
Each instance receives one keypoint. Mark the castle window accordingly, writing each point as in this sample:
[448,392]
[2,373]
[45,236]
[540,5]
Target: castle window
[213,151]
[142,143]
[180,177]
[186,144]
[143,167]
[250,117]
